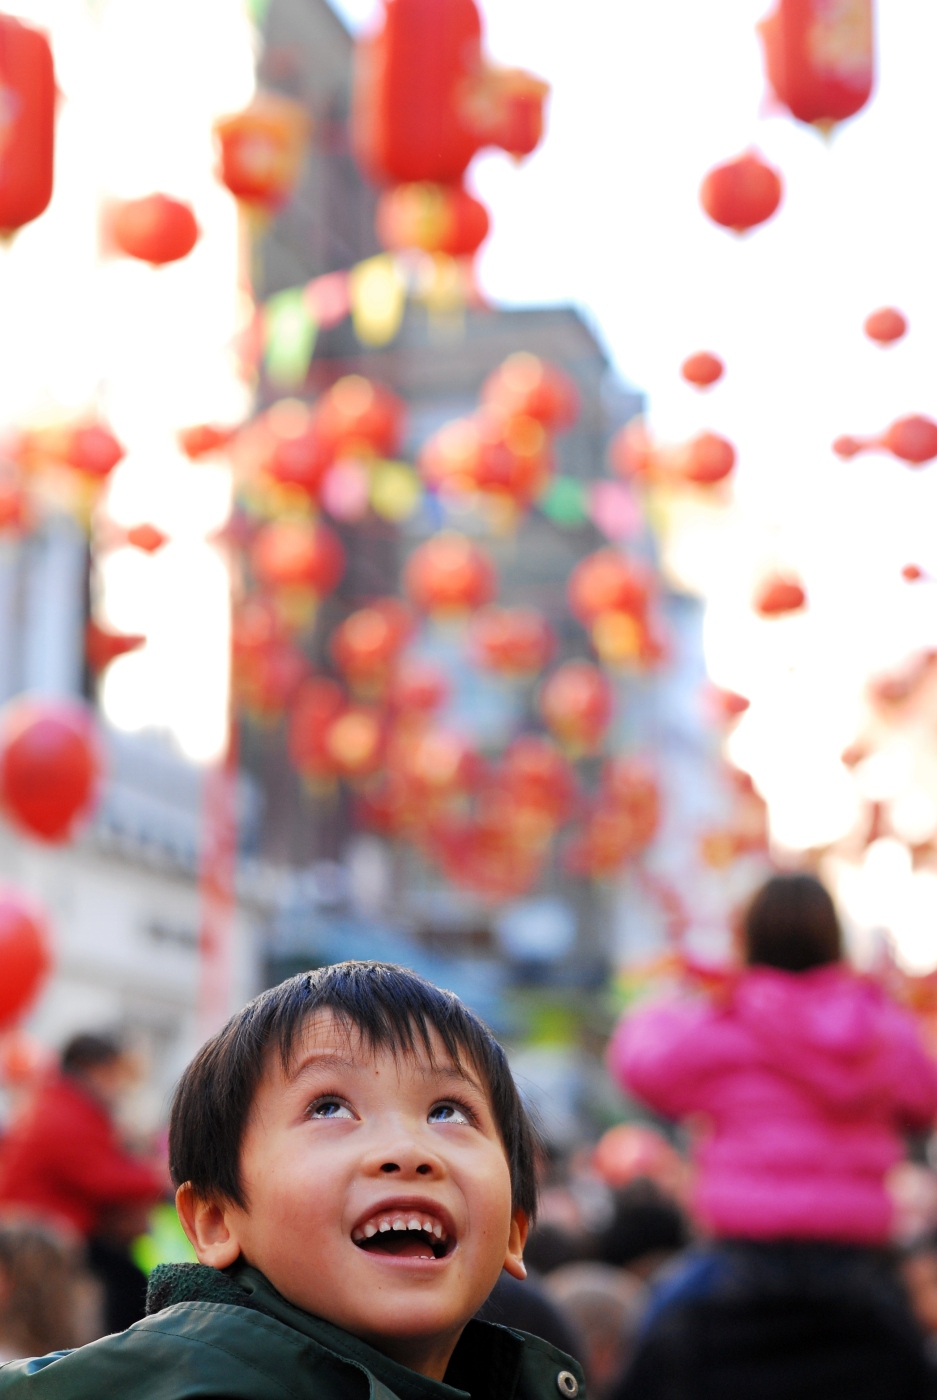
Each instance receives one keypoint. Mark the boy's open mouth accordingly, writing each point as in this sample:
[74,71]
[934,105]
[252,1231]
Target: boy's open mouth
[406,1233]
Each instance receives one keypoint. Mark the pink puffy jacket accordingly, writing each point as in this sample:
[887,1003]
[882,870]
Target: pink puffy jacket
[805,1081]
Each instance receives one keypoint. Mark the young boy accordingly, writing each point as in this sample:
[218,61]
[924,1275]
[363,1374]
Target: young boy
[354,1169]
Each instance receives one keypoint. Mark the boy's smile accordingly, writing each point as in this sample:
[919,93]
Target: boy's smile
[378,1193]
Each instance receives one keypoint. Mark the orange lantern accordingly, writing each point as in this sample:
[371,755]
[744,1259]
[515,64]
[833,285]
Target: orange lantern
[367,644]
[576,704]
[298,554]
[778,595]
[885,325]
[156,229]
[515,642]
[705,459]
[50,766]
[27,124]
[147,538]
[433,218]
[354,742]
[538,775]
[449,574]
[262,150]
[702,369]
[434,764]
[318,703]
[417,688]
[820,58]
[607,582]
[356,415]
[530,387]
[741,193]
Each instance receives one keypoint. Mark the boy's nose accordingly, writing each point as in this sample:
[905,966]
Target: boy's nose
[422,1168]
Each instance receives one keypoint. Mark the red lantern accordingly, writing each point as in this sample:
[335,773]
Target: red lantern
[50,766]
[146,537]
[89,448]
[156,229]
[357,415]
[486,855]
[623,822]
[433,764]
[530,387]
[819,56]
[319,702]
[705,460]
[27,125]
[702,369]
[298,554]
[262,150]
[449,574]
[497,455]
[538,775]
[912,573]
[266,668]
[418,688]
[631,452]
[912,439]
[25,954]
[354,741]
[103,646]
[290,447]
[433,218]
[512,641]
[607,582]
[576,704]
[203,439]
[366,645]
[778,595]
[885,325]
[741,193]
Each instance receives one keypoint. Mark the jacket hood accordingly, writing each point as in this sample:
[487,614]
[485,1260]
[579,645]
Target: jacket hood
[828,1029]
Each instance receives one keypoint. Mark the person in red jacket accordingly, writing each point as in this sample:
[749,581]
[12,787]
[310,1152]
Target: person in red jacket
[63,1160]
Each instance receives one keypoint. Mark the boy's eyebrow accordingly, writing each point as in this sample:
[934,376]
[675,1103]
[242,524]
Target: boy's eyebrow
[316,1058]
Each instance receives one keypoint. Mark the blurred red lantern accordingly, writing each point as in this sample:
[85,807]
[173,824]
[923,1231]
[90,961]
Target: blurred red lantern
[433,218]
[292,451]
[417,688]
[538,775]
[741,193]
[607,582]
[298,554]
[433,763]
[15,510]
[491,453]
[622,823]
[486,855]
[266,668]
[819,57]
[530,387]
[156,229]
[631,452]
[449,574]
[103,646]
[705,459]
[631,1151]
[357,415]
[885,325]
[50,766]
[318,703]
[27,124]
[146,537]
[25,954]
[576,704]
[702,369]
[354,741]
[367,644]
[912,439]
[93,450]
[262,150]
[912,573]
[847,446]
[204,438]
[512,641]
[778,595]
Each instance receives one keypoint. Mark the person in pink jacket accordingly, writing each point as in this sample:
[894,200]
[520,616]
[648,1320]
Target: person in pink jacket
[802,1079]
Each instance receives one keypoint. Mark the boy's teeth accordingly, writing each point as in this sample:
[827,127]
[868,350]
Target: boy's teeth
[370,1230]
[437,1230]
[384,1226]
[400,1223]
[414,1223]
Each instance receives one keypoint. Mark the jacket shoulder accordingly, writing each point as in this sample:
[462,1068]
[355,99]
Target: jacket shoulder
[545,1371]
[188,1351]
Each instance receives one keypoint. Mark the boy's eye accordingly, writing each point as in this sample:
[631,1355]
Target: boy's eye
[330,1108]
[448,1113]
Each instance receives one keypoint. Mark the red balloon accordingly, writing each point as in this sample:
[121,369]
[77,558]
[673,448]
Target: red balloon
[913,439]
[28,124]
[820,58]
[433,218]
[50,765]
[741,193]
[25,954]
[779,595]
[885,325]
[298,554]
[702,369]
[449,574]
[156,229]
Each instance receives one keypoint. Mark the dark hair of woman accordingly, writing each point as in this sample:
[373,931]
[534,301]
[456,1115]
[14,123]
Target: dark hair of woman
[791,924]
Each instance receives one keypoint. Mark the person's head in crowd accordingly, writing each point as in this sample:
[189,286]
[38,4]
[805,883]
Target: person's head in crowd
[632,1151]
[604,1306]
[791,924]
[102,1063]
[397,1104]
[646,1229]
[39,1285]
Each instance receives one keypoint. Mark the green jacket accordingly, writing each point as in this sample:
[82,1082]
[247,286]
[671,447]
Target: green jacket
[231,1336]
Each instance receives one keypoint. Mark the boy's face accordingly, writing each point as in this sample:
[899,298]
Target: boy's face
[378,1194]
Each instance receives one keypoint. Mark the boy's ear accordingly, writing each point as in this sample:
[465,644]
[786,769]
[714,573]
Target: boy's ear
[208,1228]
[517,1238]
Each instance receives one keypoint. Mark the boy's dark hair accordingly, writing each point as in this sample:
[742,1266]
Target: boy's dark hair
[88,1050]
[791,923]
[391,1008]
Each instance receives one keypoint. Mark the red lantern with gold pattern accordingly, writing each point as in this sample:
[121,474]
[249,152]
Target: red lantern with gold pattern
[742,193]
[576,704]
[262,150]
[514,642]
[449,574]
[27,123]
[820,56]
[156,229]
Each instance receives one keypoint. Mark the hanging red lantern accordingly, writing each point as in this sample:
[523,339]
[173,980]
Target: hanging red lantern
[266,668]
[885,326]
[15,511]
[434,218]
[912,439]
[318,703]
[524,385]
[434,764]
[496,455]
[298,554]
[607,582]
[25,954]
[913,573]
[631,452]
[50,766]
[102,646]
[623,822]
[702,369]
[289,448]
[516,642]
[204,439]
[820,57]
[27,125]
[576,704]
[741,193]
[262,150]
[486,855]
[704,460]
[354,742]
[538,775]
[93,450]
[449,574]
[365,647]
[156,229]
[778,595]
[146,537]
[417,688]
[356,415]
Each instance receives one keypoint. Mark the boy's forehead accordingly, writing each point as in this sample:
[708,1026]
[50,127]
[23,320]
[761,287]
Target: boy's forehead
[325,1035]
